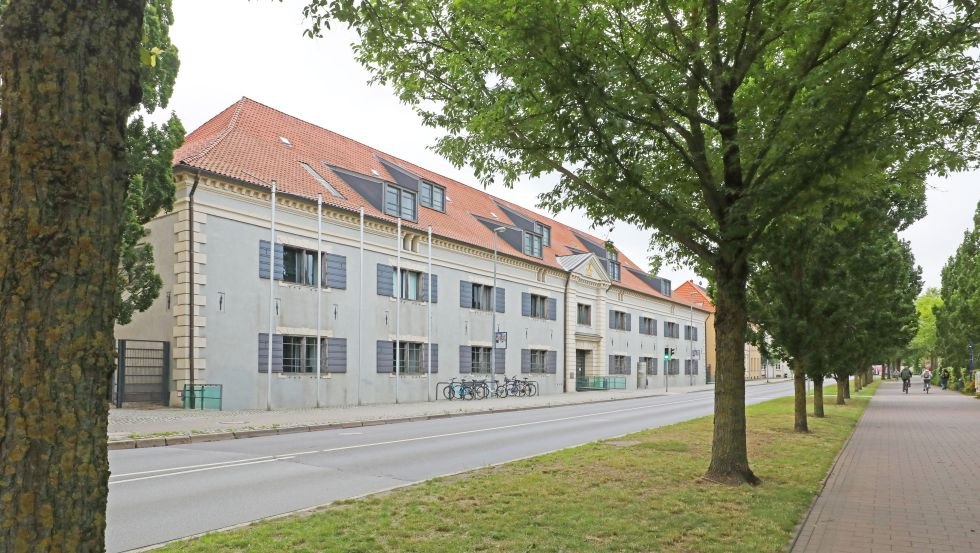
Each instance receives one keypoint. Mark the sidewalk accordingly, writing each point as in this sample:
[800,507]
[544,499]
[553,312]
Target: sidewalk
[907,481]
[130,428]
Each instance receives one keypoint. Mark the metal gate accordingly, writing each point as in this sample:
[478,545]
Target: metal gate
[142,372]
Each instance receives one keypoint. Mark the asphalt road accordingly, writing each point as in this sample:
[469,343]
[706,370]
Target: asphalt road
[164,493]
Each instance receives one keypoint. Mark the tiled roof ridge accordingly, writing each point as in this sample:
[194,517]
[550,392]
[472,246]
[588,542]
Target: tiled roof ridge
[221,136]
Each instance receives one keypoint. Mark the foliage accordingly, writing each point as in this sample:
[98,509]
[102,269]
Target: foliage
[150,150]
[593,497]
[704,122]
[958,318]
[923,345]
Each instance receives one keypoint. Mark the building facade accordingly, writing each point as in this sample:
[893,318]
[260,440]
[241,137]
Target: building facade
[408,279]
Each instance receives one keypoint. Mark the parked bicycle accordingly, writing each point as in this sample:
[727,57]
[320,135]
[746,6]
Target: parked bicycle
[517,387]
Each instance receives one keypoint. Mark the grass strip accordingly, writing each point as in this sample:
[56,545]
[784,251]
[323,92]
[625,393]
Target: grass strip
[639,493]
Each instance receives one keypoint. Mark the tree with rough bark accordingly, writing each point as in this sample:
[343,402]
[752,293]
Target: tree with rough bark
[703,121]
[70,72]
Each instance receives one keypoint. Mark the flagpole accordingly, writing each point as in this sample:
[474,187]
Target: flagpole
[272,301]
[319,288]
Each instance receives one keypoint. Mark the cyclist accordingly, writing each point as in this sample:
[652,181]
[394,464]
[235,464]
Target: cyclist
[906,375]
[926,380]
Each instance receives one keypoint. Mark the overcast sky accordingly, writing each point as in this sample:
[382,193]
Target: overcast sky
[235,48]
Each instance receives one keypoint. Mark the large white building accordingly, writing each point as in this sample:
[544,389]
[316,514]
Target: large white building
[576,313]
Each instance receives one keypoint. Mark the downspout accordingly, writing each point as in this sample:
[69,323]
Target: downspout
[190,261]
[564,384]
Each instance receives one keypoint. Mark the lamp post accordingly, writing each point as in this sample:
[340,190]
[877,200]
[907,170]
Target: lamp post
[969,369]
[493,308]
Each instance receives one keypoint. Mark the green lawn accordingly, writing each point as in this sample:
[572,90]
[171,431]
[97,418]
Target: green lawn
[640,493]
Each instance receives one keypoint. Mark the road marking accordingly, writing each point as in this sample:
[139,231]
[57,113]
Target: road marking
[176,471]
[350,434]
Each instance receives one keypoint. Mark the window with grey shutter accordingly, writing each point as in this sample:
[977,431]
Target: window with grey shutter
[551,362]
[386,356]
[552,309]
[465,360]
[434,355]
[336,355]
[629,320]
[628,365]
[525,361]
[500,300]
[264,352]
[426,295]
[335,268]
[264,260]
[500,360]
[612,364]
[525,304]
[465,294]
[386,280]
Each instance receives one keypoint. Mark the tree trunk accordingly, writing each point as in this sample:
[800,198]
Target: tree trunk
[818,397]
[858,380]
[70,73]
[729,454]
[799,396]
[847,387]
[841,380]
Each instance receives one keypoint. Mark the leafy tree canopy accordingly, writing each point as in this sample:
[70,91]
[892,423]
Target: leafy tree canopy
[702,121]
[958,318]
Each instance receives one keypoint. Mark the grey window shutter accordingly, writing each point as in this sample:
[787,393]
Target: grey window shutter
[695,334]
[429,295]
[280,262]
[552,309]
[386,356]
[525,360]
[551,362]
[263,259]
[465,360]
[386,283]
[501,296]
[525,304]
[264,352]
[434,355]
[629,320]
[653,327]
[500,361]
[336,355]
[336,271]
[629,365]
[612,316]
[465,294]
[612,365]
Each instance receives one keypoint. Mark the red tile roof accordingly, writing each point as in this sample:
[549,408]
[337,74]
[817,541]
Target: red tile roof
[245,142]
[691,293]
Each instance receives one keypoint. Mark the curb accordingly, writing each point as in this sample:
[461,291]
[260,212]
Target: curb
[798,529]
[181,439]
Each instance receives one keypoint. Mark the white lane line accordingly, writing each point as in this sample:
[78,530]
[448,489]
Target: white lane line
[175,471]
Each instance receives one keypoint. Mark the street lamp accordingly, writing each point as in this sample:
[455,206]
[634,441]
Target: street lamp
[493,308]
[690,341]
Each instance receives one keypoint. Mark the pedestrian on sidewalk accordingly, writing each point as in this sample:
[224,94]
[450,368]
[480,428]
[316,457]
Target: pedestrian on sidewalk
[944,378]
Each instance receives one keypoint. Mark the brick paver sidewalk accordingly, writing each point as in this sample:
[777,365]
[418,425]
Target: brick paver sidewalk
[908,480]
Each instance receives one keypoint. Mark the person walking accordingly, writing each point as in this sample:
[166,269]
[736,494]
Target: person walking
[906,375]
[944,378]
[926,380]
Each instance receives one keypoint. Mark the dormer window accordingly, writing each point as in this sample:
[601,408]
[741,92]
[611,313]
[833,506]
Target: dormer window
[545,232]
[432,196]
[532,244]
[400,202]
[614,266]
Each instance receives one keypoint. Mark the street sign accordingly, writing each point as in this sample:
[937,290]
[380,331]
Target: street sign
[501,340]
